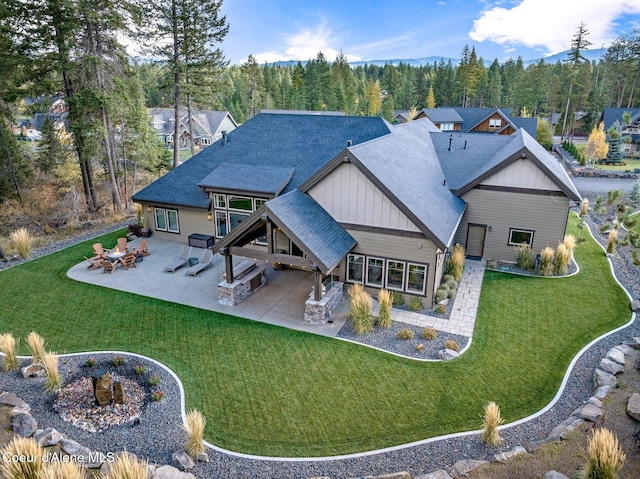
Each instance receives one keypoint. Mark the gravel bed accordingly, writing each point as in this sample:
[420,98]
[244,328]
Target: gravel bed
[159,433]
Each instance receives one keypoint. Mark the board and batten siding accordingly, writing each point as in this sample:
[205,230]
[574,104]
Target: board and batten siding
[545,215]
[350,197]
[401,248]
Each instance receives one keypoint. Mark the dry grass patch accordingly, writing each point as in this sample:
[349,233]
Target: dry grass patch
[25,447]
[561,259]
[490,422]
[36,345]
[194,427]
[545,267]
[22,242]
[8,348]
[604,456]
[456,262]
[360,309]
[384,299]
[127,466]
[63,470]
[53,380]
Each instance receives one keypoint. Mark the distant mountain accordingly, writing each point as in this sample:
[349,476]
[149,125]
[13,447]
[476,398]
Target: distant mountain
[418,62]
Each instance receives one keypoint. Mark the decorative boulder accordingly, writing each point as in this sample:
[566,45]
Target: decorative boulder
[635,306]
[182,460]
[24,425]
[602,378]
[633,342]
[48,437]
[10,399]
[633,406]
[465,466]
[439,474]
[566,427]
[611,367]
[170,472]
[615,355]
[447,354]
[602,392]
[119,394]
[505,456]
[589,412]
[33,370]
[554,475]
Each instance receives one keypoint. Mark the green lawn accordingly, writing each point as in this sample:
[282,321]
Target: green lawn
[272,391]
[630,163]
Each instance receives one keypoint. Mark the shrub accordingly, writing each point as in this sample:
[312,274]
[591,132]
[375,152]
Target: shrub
[570,242]
[157,396]
[524,256]
[89,363]
[451,294]
[117,361]
[441,294]
[545,267]
[451,344]
[135,229]
[415,304]
[36,345]
[8,348]
[584,207]
[598,200]
[22,469]
[405,334]
[429,334]
[127,466]
[452,284]
[194,428]
[604,455]
[22,241]
[636,258]
[63,470]
[612,239]
[604,227]
[398,299]
[447,277]
[490,422]
[360,309]
[440,309]
[154,380]
[612,196]
[634,194]
[139,370]
[384,299]
[561,259]
[53,380]
[444,286]
[456,262]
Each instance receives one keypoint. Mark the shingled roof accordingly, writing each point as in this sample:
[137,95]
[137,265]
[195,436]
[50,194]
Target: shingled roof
[303,143]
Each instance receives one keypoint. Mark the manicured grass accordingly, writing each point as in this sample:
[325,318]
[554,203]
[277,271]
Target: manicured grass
[272,391]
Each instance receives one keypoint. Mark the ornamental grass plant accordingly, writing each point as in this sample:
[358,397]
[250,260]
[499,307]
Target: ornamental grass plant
[63,470]
[8,348]
[524,256]
[612,240]
[53,380]
[584,207]
[570,242]
[360,309]
[561,260]
[22,469]
[545,267]
[604,456]
[456,262]
[36,345]
[22,242]
[490,422]
[127,466]
[194,428]
[384,300]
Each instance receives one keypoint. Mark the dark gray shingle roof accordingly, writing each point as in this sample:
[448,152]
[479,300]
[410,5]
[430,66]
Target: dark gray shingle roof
[442,115]
[304,143]
[257,179]
[311,228]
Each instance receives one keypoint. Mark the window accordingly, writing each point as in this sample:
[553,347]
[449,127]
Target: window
[375,271]
[220,201]
[221,223]
[259,202]
[446,127]
[517,237]
[416,278]
[235,219]
[355,268]
[395,275]
[205,141]
[495,122]
[240,203]
[167,220]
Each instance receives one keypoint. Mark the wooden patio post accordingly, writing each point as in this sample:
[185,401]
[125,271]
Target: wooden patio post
[228,262]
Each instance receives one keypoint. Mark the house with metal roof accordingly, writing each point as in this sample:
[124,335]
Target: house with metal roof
[358,200]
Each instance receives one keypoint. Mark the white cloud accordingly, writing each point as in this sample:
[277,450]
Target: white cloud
[304,45]
[550,24]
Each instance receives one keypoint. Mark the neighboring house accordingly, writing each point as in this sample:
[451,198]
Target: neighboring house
[208,126]
[31,129]
[402,116]
[359,200]
[631,147]
[478,120]
[42,104]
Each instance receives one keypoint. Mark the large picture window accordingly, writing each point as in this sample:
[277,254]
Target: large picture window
[240,203]
[167,220]
[375,272]
[355,268]
[221,223]
[395,275]
[235,219]
[517,237]
[416,278]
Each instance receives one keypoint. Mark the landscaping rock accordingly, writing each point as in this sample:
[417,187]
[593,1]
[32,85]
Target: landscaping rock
[447,354]
[533,445]
[505,456]
[602,392]
[602,378]
[203,457]
[395,475]
[24,425]
[589,412]
[182,460]
[465,466]
[10,399]
[615,355]
[624,348]
[633,342]
[439,474]
[595,401]
[33,370]
[18,410]
[633,406]
[554,475]
[635,306]
[611,367]
[170,472]
[90,459]
[48,437]
[566,427]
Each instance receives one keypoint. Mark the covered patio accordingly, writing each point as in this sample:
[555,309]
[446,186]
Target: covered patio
[281,302]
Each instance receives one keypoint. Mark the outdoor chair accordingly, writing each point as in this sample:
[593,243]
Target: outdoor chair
[109,266]
[100,251]
[95,262]
[204,263]
[129,261]
[123,246]
[179,261]
[143,250]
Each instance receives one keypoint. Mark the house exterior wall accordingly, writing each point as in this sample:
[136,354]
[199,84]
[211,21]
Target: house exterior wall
[190,221]
[351,198]
[226,125]
[544,215]
[484,125]
[522,173]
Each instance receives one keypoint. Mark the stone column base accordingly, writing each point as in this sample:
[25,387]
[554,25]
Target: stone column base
[318,312]
[236,292]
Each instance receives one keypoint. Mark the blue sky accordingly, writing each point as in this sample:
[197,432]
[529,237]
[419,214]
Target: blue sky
[273,30]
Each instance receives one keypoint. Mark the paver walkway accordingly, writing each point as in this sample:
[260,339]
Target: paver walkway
[465,307]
